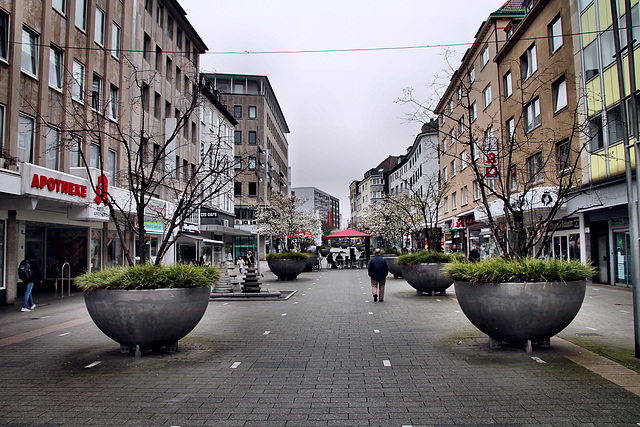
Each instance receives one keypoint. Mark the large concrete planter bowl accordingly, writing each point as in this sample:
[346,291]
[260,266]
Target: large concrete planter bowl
[150,318]
[394,268]
[311,262]
[426,277]
[287,269]
[521,312]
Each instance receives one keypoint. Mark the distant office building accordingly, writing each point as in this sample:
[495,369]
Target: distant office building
[326,206]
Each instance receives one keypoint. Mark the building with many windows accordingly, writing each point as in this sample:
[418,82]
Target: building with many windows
[261,151]
[75,75]
[320,203]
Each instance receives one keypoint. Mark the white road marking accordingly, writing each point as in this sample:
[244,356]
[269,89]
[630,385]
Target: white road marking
[386,362]
[377,331]
[65,334]
[91,365]
[284,314]
[371,312]
[266,332]
[235,365]
[537,359]
[591,329]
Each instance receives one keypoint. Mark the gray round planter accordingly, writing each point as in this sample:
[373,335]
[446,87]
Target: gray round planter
[394,268]
[150,318]
[521,313]
[426,277]
[311,262]
[287,269]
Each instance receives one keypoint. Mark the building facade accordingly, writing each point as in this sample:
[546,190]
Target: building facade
[73,76]
[322,204]
[261,151]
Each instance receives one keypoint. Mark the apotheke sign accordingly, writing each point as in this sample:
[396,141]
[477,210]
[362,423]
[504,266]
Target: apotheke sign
[53,185]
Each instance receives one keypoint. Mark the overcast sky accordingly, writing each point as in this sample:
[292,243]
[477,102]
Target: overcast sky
[340,106]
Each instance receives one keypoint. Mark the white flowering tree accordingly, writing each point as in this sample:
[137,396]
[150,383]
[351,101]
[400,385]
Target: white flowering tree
[282,220]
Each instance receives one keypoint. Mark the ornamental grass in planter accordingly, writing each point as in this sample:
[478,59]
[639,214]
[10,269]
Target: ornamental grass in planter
[520,301]
[147,306]
[423,270]
[287,265]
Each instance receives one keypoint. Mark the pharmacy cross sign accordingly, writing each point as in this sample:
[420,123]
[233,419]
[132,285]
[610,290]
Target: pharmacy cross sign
[490,149]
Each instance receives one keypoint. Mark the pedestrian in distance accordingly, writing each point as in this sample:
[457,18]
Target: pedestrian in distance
[251,261]
[474,255]
[378,270]
[29,273]
[241,265]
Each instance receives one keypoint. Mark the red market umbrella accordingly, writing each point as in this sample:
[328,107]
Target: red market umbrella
[348,233]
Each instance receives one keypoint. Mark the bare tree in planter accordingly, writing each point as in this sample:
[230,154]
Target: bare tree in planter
[149,168]
[281,219]
[526,173]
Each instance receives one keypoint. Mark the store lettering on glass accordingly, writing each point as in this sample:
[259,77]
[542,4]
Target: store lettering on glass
[58,186]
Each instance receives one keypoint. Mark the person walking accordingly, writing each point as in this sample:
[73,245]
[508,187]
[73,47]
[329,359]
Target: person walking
[251,261]
[29,273]
[378,270]
[241,265]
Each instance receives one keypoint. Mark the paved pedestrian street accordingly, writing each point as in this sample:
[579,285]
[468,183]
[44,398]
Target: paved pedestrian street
[327,356]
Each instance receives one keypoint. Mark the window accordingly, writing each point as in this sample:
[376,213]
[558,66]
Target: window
[94,156]
[113,102]
[77,83]
[596,139]
[484,58]
[52,149]
[237,111]
[237,162]
[615,124]
[252,163]
[58,5]
[159,13]
[169,69]
[461,125]
[145,98]
[25,138]
[167,109]
[529,62]
[473,112]
[472,76]
[454,201]
[237,137]
[253,137]
[453,168]
[513,179]
[29,63]
[187,48]
[179,38]
[608,47]
[81,14]
[253,188]
[559,89]
[156,106]
[510,129]
[446,204]
[169,27]
[532,114]
[148,5]
[463,160]
[534,166]
[444,145]
[464,196]
[563,156]
[115,40]
[253,112]
[112,166]
[555,34]
[55,68]
[194,132]
[75,160]
[96,92]
[146,47]
[178,78]
[477,191]
[486,95]
[237,189]
[590,54]
[99,29]
[4,35]
[158,59]
[445,174]
[508,84]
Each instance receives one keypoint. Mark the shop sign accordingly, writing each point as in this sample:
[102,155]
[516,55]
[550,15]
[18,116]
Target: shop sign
[191,228]
[50,184]
[155,208]
[458,223]
[154,226]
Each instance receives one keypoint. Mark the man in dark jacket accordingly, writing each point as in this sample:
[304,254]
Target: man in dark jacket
[378,270]
[36,277]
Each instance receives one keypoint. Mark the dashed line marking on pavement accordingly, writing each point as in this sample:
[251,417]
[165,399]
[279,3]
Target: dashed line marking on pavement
[295,302]
[377,331]
[367,300]
[235,365]
[457,311]
[386,362]
[65,334]
[266,332]
[91,365]
[438,300]
[591,329]
[627,312]
[226,303]
[304,294]
[364,293]
[537,359]
[371,312]
[284,314]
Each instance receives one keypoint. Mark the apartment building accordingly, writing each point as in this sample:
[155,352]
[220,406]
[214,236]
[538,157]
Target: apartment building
[354,202]
[74,75]
[469,113]
[326,206]
[261,151]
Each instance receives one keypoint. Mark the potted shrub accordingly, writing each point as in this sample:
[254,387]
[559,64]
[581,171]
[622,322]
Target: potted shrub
[391,255]
[147,305]
[424,270]
[520,301]
[324,250]
[287,265]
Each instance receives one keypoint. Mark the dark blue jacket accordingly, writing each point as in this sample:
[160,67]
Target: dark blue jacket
[378,268]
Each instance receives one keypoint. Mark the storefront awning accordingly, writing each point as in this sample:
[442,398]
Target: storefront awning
[209,242]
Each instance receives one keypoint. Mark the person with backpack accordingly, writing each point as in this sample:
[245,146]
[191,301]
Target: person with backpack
[29,273]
